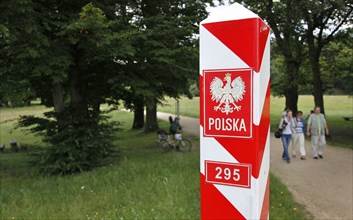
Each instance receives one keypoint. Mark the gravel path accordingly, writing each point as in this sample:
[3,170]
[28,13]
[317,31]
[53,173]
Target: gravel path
[324,186]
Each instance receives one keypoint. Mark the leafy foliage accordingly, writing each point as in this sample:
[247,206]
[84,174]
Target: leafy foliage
[166,59]
[65,53]
[337,64]
[323,22]
[302,29]
[76,142]
[76,55]
[288,32]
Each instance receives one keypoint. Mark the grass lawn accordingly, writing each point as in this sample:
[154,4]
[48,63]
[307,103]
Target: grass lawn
[187,107]
[8,119]
[336,108]
[140,184]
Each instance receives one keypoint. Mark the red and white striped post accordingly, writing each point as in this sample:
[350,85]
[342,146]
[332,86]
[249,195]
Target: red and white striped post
[235,115]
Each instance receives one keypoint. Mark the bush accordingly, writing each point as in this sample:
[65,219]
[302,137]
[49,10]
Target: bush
[77,142]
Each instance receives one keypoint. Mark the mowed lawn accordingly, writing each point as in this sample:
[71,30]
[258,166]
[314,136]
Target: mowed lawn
[336,107]
[139,184]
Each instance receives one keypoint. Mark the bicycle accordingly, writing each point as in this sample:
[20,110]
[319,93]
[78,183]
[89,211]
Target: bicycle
[165,143]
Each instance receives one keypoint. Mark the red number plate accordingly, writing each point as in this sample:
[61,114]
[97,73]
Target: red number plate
[234,174]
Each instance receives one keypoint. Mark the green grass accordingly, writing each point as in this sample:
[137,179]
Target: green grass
[140,184]
[336,108]
[8,120]
[282,204]
[187,107]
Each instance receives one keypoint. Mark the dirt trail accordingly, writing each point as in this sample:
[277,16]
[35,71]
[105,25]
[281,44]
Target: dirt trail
[324,186]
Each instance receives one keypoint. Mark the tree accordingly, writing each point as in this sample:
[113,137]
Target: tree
[166,51]
[67,49]
[76,55]
[337,64]
[302,27]
[324,19]
[286,25]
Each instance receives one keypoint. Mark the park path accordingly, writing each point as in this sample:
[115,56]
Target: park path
[324,186]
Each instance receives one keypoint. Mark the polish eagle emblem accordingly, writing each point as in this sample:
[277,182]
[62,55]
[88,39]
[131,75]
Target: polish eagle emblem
[227,95]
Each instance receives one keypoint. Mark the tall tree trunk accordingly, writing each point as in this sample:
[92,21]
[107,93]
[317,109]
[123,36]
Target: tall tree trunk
[291,92]
[74,88]
[139,117]
[96,108]
[58,98]
[76,92]
[291,95]
[151,116]
[4,103]
[318,91]
[314,57]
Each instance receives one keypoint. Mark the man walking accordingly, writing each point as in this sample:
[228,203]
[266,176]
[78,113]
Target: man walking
[317,127]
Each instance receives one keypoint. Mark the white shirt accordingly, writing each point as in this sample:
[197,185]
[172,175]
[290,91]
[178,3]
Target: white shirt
[287,129]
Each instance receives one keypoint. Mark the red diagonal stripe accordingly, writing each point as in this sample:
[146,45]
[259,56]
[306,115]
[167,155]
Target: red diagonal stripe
[266,202]
[214,205]
[245,37]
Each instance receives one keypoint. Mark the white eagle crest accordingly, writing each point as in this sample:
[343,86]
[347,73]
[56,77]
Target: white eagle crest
[227,94]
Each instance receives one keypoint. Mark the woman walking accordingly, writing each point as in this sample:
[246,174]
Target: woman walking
[298,135]
[286,126]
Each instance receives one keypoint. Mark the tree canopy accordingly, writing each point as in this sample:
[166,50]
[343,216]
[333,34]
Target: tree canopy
[76,55]
[302,30]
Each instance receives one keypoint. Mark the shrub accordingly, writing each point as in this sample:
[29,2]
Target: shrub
[77,142]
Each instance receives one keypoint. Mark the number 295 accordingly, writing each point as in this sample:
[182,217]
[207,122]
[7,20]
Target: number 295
[235,174]
[227,174]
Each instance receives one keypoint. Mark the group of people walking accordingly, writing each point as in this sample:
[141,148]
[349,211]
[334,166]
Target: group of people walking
[294,128]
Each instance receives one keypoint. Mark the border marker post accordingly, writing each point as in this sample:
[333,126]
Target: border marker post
[234,115]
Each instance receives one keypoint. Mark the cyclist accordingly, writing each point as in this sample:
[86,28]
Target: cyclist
[174,128]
